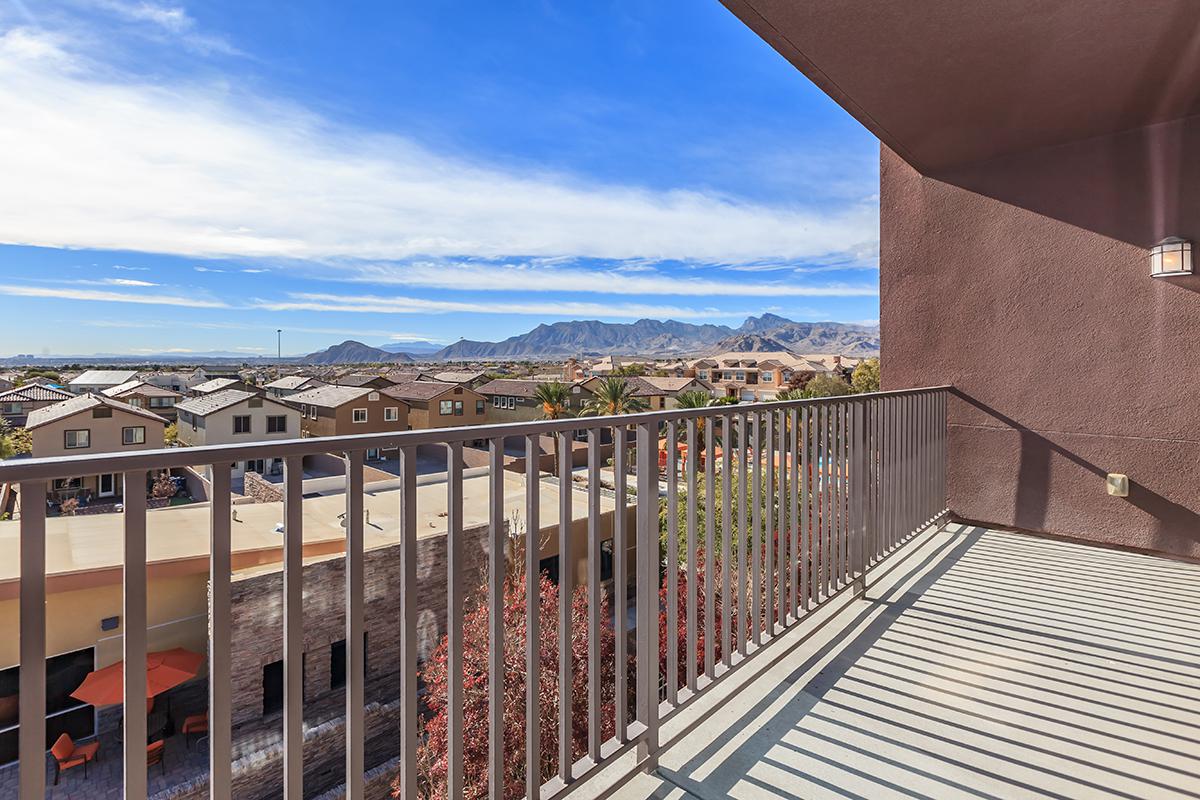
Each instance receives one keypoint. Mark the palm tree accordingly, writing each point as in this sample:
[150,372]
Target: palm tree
[693,398]
[555,398]
[613,396]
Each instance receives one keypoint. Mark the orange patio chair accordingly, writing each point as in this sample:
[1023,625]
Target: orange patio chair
[67,754]
[154,755]
[195,724]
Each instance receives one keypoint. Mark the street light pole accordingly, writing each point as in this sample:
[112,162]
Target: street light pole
[279,345]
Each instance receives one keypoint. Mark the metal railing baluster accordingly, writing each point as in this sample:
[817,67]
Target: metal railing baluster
[355,611]
[497,569]
[293,628]
[220,616]
[31,737]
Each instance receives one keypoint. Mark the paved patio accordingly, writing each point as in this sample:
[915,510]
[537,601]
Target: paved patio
[984,665]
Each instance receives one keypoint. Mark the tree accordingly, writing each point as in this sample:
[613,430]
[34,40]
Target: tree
[555,398]
[433,750]
[693,398]
[866,376]
[826,386]
[163,487]
[171,434]
[630,370]
[21,441]
[612,397]
[790,394]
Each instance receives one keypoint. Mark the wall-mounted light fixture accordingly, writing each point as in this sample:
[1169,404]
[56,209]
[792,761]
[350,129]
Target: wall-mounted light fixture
[1171,256]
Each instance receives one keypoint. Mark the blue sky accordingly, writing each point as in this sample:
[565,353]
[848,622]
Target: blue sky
[193,177]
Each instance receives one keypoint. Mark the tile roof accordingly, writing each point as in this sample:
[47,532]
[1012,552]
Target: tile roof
[214,401]
[359,379]
[672,384]
[330,396]
[215,385]
[459,377]
[139,387]
[32,392]
[512,387]
[83,402]
[291,382]
[420,390]
[104,377]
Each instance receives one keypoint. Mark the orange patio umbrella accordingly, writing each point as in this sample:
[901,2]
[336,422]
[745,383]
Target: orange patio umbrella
[165,670]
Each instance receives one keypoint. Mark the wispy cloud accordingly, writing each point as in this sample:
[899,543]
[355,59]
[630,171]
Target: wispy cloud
[169,20]
[500,277]
[124,268]
[125,282]
[101,296]
[266,179]
[376,304]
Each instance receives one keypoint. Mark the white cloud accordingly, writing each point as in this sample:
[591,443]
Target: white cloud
[169,20]
[375,304]
[99,162]
[102,296]
[209,269]
[125,282]
[124,268]
[641,281]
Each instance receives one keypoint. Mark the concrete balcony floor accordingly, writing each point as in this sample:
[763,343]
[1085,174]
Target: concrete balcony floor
[982,664]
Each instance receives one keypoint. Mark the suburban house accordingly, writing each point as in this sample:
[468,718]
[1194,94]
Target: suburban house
[363,379]
[760,375]
[16,404]
[143,394]
[343,410]
[220,385]
[472,380]
[658,393]
[177,381]
[91,423]
[97,380]
[512,399]
[291,384]
[234,416]
[433,404]
[7,381]
[409,375]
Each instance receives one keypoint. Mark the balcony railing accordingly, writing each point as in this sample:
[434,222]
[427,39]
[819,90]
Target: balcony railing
[812,493]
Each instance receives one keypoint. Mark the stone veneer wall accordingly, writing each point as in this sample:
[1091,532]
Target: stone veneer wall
[261,489]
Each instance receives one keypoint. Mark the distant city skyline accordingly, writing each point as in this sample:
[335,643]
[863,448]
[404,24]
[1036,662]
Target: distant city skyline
[193,179]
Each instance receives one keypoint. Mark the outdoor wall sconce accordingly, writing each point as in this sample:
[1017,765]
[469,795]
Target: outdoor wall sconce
[1171,256]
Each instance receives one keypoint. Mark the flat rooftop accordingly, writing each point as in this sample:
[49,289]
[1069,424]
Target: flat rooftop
[983,664]
[87,550]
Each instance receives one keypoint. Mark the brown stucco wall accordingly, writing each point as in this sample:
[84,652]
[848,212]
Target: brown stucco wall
[1025,283]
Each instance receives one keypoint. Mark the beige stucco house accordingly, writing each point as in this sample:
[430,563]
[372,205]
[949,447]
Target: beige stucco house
[234,416]
[87,424]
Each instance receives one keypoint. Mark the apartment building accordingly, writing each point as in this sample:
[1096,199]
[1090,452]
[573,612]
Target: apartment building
[91,423]
[234,416]
[16,404]
[143,394]
[433,404]
[291,384]
[97,380]
[345,410]
[512,400]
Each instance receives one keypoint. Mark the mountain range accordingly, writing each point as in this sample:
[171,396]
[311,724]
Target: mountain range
[646,337]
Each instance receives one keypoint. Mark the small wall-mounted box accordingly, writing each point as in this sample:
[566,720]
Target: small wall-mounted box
[1117,484]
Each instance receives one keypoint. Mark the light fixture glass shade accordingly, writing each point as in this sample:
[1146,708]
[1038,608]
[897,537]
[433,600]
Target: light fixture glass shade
[1171,256]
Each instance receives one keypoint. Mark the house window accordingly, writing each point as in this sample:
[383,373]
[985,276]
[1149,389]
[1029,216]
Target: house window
[703,374]
[272,686]
[77,440]
[479,407]
[360,415]
[241,424]
[136,402]
[66,484]
[303,409]
[496,401]
[391,414]
[768,377]
[337,662]
[446,408]
[741,376]
[312,412]
[727,376]
[512,402]
[64,714]
[373,396]
[162,402]
[458,408]
[133,435]
[277,424]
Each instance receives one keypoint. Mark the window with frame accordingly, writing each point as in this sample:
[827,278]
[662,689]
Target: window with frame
[136,402]
[703,374]
[304,409]
[446,408]
[77,440]
[479,407]
[135,434]
[64,714]
[66,484]
[741,376]
[312,412]
[277,424]
[768,377]
[495,401]
[241,423]
[391,414]
[728,376]
[162,402]
[359,415]
[458,408]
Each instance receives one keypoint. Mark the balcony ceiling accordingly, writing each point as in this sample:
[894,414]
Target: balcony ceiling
[946,83]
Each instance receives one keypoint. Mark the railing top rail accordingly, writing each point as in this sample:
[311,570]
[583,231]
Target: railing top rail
[29,469]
